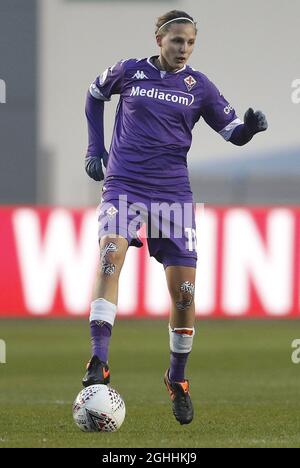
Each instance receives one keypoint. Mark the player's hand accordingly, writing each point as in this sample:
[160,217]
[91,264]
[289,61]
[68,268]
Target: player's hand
[255,121]
[93,166]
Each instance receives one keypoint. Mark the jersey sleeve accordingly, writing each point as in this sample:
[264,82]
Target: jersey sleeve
[109,83]
[218,113]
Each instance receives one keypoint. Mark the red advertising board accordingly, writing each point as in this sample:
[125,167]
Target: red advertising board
[248,266]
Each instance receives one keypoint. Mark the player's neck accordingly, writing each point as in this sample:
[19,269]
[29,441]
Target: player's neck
[162,65]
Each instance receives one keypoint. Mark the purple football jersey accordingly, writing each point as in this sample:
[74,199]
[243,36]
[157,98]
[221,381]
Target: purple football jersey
[155,116]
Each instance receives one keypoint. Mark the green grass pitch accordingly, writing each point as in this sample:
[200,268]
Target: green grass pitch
[245,388]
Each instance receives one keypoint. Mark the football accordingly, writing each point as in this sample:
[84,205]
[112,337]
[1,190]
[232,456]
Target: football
[99,408]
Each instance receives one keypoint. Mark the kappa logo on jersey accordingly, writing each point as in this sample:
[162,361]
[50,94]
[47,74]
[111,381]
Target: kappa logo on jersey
[190,82]
[140,75]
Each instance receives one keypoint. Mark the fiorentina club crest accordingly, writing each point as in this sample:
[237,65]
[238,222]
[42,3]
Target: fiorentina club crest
[190,82]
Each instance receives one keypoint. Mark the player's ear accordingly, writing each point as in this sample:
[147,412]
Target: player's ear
[158,40]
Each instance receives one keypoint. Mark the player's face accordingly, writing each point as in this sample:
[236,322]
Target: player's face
[176,45]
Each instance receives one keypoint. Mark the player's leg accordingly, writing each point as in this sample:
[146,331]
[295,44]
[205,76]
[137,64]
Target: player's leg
[104,306]
[112,255]
[181,285]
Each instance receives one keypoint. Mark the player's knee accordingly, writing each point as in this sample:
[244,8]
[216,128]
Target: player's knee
[110,257]
[184,297]
[181,339]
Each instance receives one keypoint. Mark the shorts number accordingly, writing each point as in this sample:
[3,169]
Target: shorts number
[191,239]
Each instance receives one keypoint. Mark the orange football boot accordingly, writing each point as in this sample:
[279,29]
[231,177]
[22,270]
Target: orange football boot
[181,401]
[97,373]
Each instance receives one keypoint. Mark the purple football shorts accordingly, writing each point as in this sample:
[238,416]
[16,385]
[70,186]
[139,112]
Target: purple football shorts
[167,220]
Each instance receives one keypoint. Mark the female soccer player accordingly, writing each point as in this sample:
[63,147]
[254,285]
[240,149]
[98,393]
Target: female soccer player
[161,99]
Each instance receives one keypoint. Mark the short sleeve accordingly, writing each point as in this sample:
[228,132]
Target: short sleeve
[218,113]
[109,83]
